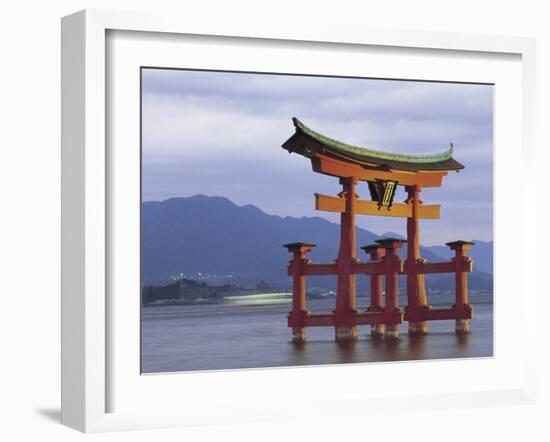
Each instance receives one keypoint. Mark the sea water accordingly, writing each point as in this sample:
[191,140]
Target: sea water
[252,332]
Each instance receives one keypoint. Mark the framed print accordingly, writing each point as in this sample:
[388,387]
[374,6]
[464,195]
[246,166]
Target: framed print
[202,261]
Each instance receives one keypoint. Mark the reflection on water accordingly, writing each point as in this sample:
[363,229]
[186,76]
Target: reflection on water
[346,351]
[462,340]
[242,335]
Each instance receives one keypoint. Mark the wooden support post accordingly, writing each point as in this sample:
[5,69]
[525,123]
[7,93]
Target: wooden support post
[393,265]
[344,314]
[296,268]
[375,251]
[463,264]
[416,288]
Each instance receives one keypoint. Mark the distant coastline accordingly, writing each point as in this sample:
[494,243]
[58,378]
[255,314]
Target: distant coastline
[190,292]
[187,291]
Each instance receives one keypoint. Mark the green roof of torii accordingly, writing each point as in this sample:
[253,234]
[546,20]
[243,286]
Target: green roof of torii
[440,161]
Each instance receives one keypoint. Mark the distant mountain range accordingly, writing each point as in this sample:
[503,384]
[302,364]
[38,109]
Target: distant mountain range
[482,252]
[212,239]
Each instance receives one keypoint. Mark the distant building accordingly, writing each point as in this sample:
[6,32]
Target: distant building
[192,292]
[264,286]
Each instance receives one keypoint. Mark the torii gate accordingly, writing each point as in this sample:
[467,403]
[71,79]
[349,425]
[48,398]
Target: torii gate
[383,171]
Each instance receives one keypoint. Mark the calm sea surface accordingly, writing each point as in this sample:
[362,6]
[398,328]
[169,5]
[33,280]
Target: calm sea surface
[252,332]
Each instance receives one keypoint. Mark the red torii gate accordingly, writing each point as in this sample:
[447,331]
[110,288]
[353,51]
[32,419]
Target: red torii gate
[383,171]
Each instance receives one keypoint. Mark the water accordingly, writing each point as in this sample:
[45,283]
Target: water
[253,333]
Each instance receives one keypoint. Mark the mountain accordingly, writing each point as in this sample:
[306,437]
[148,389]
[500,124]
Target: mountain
[392,235]
[481,252]
[213,239]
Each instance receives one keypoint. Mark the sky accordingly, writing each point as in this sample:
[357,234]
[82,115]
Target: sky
[220,133]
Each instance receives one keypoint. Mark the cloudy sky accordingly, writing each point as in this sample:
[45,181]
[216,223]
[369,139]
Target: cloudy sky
[218,133]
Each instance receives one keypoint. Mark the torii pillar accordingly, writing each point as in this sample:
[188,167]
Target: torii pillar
[416,287]
[344,324]
[463,309]
[376,252]
[298,315]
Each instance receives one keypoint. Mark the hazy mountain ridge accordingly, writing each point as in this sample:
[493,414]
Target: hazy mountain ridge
[243,244]
[481,252]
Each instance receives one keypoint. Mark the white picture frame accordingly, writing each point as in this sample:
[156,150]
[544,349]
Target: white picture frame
[87,205]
